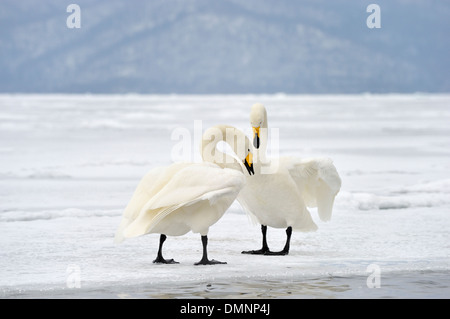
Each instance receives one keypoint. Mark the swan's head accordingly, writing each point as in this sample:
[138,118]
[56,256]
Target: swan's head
[258,119]
[248,162]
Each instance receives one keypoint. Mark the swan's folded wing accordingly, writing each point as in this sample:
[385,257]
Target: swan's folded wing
[318,182]
[194,181]
[212,197]
[187,186]
[142,194]
[147,188]
[148,219]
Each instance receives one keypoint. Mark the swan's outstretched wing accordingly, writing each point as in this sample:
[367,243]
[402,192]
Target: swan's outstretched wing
[177,186]
[318,182]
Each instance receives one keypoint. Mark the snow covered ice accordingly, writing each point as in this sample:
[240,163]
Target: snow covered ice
[70,163]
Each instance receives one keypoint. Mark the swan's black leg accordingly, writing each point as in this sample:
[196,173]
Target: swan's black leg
[159,259]
[264,248]
[285,250]
[205,260]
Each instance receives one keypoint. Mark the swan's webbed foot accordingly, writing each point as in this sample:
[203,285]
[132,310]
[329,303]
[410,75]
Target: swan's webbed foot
[265,248]
[261,251]
[206,261]
[276,253]
[161,260]
[266,252]
[285,250]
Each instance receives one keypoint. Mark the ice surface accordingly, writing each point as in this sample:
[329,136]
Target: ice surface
[70,163]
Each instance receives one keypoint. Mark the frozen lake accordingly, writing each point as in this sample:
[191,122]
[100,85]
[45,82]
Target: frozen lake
[70,163]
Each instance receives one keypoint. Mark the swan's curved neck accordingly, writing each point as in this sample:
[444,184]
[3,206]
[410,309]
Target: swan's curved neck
[234,137]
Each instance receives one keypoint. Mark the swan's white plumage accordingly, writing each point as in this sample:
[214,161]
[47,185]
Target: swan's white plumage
[280,199]
[269,199]
[180,198]
[274,199]
[317,180]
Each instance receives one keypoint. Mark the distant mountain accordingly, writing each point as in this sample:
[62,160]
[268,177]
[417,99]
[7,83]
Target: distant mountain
[224,46]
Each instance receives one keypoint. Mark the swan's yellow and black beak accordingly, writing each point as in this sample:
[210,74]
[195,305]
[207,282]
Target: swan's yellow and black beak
[248,162]
[256,141]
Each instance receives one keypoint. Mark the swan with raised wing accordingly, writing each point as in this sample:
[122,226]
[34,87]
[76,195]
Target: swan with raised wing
[279,195]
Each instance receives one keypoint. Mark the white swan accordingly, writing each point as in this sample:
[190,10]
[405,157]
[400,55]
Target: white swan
[180,198]
[280,198]
[272,199]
